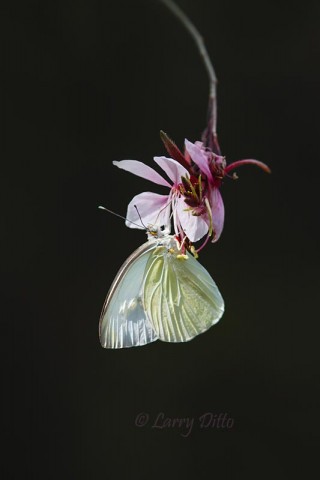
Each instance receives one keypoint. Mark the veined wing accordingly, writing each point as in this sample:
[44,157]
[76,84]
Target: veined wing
[180,297]
[123,321]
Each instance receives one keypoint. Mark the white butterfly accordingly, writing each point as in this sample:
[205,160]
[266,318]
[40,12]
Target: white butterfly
[159,293]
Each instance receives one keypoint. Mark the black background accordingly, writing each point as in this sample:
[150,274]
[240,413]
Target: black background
[89,82]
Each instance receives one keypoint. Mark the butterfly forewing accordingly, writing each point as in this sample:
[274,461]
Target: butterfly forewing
[123,321]
[179,296]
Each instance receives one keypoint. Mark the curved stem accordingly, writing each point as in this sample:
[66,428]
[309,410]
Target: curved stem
[239,163]
[212,110]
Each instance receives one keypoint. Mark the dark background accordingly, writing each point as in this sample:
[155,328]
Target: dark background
[89,82]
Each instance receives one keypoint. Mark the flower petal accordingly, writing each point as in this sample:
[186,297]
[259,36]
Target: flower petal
[195,227]
[153,209]
[142,170]
[172,168]
[217,209]
[199,157]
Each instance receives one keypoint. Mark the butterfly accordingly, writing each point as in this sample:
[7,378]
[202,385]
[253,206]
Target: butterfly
[159,293]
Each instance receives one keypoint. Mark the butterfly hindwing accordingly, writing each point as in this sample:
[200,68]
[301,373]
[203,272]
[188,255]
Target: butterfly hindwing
[179,296]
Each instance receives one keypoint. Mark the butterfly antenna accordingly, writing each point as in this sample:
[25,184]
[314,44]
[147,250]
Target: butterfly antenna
[135,206]
[120,216]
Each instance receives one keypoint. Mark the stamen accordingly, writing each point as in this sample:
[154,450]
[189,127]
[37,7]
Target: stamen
[192,189]
[206,201]
[163,208]
[182,257]
[194,251]
[203,245]
[200,188]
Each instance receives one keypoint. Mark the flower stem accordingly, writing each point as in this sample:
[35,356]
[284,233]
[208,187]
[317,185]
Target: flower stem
[212,109]
[239,163]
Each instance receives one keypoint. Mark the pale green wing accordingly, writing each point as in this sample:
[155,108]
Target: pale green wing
[180,297]
[123,321]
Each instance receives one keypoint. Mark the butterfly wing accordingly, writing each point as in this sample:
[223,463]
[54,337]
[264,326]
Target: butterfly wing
[180,297]
[123,321]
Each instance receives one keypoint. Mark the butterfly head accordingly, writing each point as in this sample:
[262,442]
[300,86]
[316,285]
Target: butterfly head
[154,231]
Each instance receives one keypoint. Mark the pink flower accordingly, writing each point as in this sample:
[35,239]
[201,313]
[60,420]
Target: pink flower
[205,161]
[155,209]
[194,198]
[213,169]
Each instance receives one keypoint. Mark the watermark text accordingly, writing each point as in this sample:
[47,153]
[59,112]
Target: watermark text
[184,425]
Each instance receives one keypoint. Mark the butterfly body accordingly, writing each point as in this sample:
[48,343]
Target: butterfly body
[159,293]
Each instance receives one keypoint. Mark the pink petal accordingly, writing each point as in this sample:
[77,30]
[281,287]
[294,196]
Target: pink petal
[199,158]
[172,168]
[153,208]
[142,170]
[217,208]
[195,227]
